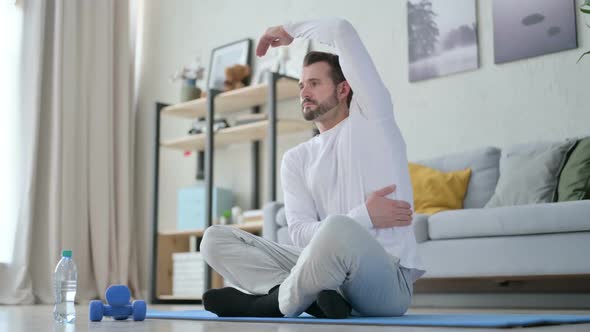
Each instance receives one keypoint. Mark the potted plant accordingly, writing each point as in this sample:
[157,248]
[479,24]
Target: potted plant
[189,75]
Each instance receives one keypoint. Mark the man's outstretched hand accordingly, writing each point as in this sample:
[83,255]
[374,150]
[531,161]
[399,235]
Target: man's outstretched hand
[385,212]
[273,37]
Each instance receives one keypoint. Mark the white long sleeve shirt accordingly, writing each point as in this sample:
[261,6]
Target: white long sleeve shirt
[334,172]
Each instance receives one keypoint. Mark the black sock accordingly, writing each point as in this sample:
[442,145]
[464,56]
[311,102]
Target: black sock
[315,310]
[230,302]
[332,305]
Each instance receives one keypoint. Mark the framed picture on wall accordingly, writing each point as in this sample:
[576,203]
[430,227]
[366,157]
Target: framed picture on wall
[442,38]
[236,53]
[528,28]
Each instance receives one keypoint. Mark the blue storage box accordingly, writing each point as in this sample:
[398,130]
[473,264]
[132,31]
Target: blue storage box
[191,206]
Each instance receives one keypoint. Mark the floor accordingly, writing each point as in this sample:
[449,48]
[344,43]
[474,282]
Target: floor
[39,318]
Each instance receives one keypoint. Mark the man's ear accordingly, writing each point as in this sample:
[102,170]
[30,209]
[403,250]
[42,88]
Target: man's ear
[343,89]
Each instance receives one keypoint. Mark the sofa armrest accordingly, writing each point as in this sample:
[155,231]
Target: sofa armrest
[270,226]
[420,223]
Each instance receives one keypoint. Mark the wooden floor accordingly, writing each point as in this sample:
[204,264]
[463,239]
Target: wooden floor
[39,318]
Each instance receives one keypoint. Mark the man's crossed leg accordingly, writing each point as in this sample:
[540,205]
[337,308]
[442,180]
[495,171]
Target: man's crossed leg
[342,267]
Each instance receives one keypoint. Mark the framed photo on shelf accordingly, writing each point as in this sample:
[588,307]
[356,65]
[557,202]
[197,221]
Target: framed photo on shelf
[236,53]
[264,65]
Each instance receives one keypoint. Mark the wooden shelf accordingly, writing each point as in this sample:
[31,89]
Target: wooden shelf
[235,100]
[251,227]
[237,134]
[170,242]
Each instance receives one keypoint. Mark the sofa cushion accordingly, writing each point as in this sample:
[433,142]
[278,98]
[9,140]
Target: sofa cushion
[524,255]
[484,165]
[529,173]
[436,191]
[574,181]
[511,220]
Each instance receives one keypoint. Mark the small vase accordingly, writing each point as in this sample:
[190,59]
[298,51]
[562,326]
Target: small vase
[189,91]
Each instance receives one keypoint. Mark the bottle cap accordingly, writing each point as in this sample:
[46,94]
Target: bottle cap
[66,253]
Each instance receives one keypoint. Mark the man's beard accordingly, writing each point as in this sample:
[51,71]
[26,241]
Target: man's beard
[321,109]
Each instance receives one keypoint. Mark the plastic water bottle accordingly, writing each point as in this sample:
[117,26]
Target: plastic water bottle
[66,277]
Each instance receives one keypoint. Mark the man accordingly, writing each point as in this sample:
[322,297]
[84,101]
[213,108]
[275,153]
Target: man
[348,199]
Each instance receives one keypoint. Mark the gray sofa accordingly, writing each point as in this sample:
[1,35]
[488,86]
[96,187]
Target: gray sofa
[528,242]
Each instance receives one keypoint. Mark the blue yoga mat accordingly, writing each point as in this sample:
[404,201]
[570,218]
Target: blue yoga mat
[454,320]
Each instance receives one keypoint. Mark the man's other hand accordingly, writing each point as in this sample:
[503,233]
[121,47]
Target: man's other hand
[385,212]
[273,37]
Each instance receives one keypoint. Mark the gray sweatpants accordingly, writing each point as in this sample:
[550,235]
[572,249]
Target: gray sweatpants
[341,256]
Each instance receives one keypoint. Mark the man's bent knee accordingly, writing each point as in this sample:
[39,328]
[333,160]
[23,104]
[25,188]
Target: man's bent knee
[340,225]
[213,237]
[338,232]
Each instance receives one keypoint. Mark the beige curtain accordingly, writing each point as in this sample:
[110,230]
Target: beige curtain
[79,121]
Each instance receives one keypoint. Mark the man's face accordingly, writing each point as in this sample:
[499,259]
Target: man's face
[317,91]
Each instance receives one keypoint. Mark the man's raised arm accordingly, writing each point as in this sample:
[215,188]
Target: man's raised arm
[358,68]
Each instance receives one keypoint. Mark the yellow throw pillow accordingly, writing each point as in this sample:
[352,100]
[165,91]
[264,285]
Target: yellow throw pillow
[436,191]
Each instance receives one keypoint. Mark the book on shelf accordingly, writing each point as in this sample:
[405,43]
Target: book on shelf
[249,118]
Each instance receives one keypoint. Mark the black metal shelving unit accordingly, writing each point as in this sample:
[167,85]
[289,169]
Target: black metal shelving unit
[205,162]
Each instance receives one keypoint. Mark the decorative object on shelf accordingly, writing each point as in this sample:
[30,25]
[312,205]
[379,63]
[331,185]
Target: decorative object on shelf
[225,218]
[236,77]
[189,91]
[236,214]
[219,124]
[250,118]
[189,75]
[200,126]
[197,127]
[442,38]
[236,53]
[528,28]
[585,8]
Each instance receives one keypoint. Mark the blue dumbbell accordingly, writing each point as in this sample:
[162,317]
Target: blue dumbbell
[119,307]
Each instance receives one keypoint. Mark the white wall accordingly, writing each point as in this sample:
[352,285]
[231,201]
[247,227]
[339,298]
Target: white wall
[537,98]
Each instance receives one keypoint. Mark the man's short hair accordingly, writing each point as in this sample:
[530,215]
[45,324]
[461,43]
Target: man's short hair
[332,60]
